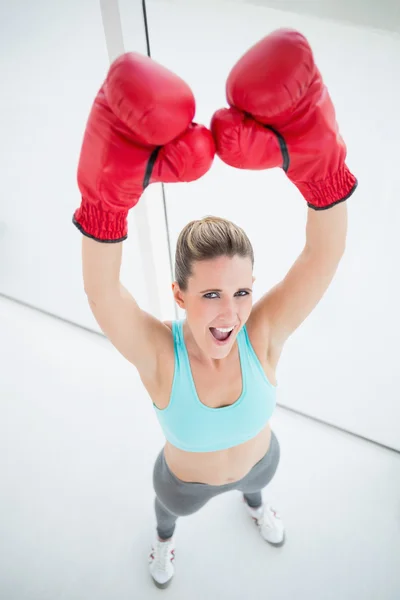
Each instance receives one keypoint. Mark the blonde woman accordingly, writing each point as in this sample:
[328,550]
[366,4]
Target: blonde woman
[211,376]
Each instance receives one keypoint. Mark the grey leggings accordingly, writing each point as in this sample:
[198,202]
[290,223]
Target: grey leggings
[176,498]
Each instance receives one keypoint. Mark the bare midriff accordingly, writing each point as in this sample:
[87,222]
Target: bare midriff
[221,467]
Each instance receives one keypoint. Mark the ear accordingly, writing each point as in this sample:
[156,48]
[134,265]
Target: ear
[178,295]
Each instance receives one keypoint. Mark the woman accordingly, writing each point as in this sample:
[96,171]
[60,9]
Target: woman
[211,377]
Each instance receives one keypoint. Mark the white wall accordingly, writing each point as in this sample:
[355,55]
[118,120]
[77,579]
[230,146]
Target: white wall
[341,365]
[384,14]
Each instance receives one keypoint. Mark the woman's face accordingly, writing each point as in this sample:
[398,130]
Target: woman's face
[219,295]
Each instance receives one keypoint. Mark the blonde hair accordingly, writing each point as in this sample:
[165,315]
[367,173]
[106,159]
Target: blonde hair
[206,239]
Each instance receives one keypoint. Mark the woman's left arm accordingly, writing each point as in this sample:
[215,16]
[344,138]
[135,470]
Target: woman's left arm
[282,310]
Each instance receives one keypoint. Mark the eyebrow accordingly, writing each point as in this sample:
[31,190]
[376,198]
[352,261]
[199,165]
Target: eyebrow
[215,290]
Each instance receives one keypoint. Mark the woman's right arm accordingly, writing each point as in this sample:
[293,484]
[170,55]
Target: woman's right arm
[139,337]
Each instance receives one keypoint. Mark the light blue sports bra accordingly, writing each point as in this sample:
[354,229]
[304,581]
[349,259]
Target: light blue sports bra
[190,425]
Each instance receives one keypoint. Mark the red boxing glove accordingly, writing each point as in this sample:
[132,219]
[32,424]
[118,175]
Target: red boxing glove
[139,131]
[282,116]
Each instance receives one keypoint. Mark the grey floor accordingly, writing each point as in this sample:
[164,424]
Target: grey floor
[78,439]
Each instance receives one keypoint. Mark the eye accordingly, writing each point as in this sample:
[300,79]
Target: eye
[213,295]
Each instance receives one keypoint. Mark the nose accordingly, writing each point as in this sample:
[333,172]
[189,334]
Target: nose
[228,312]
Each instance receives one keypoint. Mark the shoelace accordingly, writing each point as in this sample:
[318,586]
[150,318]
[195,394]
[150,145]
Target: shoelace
[269,516]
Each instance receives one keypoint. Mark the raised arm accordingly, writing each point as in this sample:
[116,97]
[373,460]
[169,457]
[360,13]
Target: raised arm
[139,131]
[281,115]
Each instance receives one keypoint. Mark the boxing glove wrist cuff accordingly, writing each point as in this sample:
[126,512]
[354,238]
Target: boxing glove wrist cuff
[101,225]
[326,193]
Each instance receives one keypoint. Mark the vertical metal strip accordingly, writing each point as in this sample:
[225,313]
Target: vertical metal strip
[146,27]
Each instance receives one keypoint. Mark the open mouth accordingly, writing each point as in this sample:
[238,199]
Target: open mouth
[221,334]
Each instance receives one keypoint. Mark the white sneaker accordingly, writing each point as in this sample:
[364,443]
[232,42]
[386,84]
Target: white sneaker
[268,522]
[161,561]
